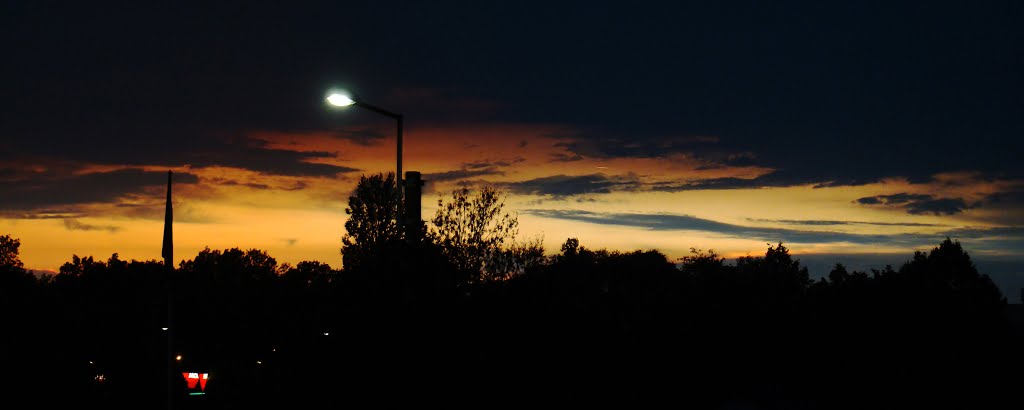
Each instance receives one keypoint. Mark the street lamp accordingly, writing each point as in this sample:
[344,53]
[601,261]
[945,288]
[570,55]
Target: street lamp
[410,188]
[338,99]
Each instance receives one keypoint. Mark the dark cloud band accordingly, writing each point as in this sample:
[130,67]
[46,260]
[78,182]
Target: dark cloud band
[918,204]
[567,185]
[1008,236]
[61,194]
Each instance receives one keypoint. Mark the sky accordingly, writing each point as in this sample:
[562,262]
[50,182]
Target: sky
[853,132]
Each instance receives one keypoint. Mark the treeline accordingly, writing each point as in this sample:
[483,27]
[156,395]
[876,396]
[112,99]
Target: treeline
[581,327]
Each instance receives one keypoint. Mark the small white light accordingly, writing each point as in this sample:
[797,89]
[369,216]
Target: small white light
[327,333]
[163,328]
[259,362]
[339,100]
[178,358]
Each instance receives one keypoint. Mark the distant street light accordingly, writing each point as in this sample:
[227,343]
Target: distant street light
[339,99]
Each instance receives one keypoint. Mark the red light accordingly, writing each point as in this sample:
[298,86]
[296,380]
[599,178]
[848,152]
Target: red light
[191,378]
[194,378]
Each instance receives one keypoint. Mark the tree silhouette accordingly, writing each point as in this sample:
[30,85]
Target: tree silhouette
[777,280]
[9,253]
[947,277]
[479,238]
[373,210]
[13,277]
[308,274]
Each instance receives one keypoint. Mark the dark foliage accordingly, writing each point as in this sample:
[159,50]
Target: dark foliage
[372,225]
[583,327]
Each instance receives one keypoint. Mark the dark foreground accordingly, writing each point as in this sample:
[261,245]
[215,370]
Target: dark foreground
[584,328]
[510,356]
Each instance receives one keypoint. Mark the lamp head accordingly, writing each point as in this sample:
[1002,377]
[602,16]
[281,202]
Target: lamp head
[339,100]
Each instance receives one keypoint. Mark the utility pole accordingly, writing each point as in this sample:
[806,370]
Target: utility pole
[168,254]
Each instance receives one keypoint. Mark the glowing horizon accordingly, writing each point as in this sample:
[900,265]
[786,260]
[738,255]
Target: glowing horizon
[609,202]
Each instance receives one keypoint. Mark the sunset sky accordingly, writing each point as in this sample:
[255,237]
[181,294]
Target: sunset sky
[853,133]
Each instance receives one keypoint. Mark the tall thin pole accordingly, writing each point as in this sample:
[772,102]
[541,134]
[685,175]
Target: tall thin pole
[168,253]
[168,249]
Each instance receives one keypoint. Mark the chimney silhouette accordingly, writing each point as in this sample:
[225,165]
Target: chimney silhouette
[413,206]
[168,249]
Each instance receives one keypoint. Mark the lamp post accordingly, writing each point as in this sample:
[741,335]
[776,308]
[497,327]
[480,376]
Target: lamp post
[342,100]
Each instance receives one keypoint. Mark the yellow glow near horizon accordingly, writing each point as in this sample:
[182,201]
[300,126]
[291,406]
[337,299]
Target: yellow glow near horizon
[301,217]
